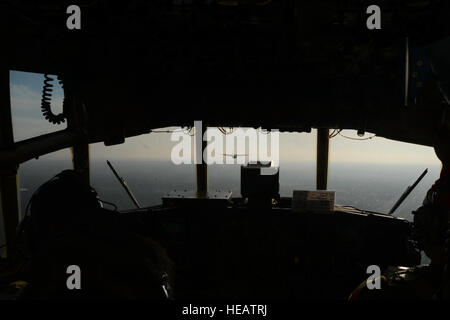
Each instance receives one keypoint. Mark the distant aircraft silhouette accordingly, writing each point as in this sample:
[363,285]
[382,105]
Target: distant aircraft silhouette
[234,155]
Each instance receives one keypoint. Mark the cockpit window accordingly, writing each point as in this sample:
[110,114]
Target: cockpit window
[372,173]
[36,104]
[144,163]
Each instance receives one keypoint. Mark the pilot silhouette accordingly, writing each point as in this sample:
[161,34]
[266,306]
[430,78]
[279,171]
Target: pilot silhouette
[68,226]
[431,233]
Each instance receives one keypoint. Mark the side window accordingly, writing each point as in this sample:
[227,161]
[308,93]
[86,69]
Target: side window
[28,117]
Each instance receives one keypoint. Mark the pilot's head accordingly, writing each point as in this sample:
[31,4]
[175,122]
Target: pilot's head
[57,203]
[442,145]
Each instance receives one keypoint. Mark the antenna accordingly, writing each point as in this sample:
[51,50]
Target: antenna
[124,184]
[407,192]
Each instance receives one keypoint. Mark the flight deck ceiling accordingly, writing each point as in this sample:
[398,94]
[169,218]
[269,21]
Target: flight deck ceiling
[280,64]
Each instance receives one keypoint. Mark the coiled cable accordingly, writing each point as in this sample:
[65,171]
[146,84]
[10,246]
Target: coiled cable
[47,99]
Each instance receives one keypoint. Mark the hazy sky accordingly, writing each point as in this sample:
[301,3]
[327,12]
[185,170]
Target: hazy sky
[26,89]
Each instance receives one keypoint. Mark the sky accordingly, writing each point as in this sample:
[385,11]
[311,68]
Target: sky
[26,90]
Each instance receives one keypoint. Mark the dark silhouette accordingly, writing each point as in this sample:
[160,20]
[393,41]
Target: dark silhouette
[68,226]
[430,231]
